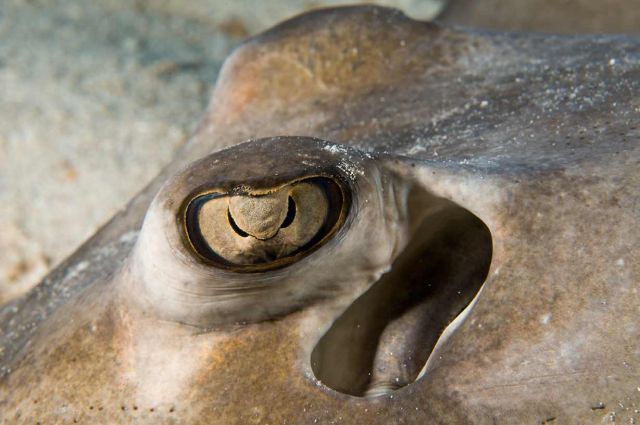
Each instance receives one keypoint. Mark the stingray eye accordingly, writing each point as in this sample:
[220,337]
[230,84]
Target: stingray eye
[255,232]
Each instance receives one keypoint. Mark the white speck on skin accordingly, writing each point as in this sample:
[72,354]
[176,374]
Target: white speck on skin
[545,318]
[335,149]
[77,269]
[416,149]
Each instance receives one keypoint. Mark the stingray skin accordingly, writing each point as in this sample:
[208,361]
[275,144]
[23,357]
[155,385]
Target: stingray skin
[536,135]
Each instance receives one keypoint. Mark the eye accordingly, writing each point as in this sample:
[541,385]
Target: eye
[256,232]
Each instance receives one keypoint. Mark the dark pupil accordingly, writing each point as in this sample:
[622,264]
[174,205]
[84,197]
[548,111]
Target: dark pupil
[291,214]
[234,226]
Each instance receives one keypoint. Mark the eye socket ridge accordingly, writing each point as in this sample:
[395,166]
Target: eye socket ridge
[197,234]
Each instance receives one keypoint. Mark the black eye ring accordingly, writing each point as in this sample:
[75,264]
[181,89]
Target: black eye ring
[291,214]
[339,200]
[234,226]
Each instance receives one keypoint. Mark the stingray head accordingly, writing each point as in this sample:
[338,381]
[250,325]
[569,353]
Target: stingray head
[352,242]
[293,280]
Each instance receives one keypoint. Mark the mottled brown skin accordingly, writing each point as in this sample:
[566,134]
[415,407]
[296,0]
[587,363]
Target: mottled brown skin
[549,16]
[536,136]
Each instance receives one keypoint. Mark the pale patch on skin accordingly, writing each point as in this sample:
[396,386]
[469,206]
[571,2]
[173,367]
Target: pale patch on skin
[162,365]
[468,189]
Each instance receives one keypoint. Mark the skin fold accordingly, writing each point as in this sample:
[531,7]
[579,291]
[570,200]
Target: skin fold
[481,267]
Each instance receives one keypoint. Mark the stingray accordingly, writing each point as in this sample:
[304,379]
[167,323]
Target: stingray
[377,221]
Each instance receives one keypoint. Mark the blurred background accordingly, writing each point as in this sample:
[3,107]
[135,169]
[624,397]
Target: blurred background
[95,97]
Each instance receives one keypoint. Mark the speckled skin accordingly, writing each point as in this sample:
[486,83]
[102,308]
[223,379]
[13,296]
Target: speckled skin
[535,135]
[550,16]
